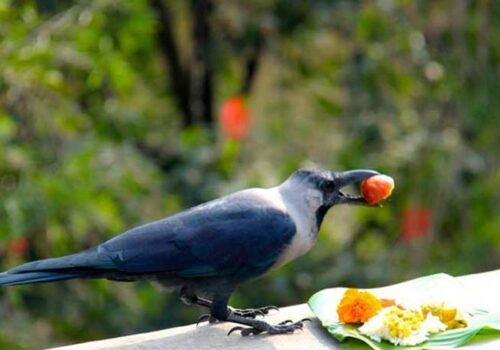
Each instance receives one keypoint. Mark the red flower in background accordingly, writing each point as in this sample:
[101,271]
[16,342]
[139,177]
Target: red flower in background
[19,246]
[235,118]
[417,223]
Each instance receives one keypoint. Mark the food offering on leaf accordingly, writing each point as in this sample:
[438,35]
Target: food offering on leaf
[402,326]
[450,316]
[384,319]
[377,188]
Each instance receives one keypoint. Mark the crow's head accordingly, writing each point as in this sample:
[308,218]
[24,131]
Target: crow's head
[321,189]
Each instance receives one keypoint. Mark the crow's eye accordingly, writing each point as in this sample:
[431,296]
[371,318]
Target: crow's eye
[328,186]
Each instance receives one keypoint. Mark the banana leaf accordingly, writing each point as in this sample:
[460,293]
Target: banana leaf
[440,287]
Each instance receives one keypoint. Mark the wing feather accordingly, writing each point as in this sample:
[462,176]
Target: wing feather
[237,235]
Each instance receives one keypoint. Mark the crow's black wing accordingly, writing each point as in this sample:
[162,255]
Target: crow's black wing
[238,235]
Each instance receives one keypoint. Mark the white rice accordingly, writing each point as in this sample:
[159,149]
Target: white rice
[379,327]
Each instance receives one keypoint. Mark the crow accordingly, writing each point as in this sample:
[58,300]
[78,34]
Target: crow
[207,251]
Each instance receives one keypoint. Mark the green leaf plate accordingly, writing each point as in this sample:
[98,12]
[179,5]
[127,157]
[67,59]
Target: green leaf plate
[421,290]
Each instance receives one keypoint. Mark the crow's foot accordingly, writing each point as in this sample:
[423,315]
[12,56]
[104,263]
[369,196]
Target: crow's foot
[284,327]
[190,299]
[206,317]
[252,313]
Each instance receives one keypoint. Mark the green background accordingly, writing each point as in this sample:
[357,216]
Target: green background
[95,138]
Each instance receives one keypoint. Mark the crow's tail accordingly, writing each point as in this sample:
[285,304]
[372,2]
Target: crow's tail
[86,264]
[12,279]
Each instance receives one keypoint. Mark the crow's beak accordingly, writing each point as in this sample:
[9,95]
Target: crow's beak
[348,177]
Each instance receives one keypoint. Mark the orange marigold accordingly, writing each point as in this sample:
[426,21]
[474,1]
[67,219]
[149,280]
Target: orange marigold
[357,306]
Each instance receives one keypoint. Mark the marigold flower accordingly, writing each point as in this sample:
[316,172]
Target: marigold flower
[357,306]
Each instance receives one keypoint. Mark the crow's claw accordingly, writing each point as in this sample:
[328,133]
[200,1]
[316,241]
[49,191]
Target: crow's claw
[270,307]
[203,318]
[206,317]
[245,332]
[250,331]
[284,327]
[234,329]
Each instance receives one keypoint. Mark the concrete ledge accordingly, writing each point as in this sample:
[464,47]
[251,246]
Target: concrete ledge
[484,286]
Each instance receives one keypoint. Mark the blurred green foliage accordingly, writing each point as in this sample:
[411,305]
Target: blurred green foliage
[92,143]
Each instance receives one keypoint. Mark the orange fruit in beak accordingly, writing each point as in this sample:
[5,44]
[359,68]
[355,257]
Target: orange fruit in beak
[377,188]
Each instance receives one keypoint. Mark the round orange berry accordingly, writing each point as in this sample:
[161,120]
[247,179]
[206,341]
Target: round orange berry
[377,188]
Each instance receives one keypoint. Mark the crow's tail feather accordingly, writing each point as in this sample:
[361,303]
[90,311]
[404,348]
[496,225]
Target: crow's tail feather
[89,263]
[12,279]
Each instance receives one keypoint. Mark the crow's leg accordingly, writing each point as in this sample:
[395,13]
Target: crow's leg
[221,312]
[190,298]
